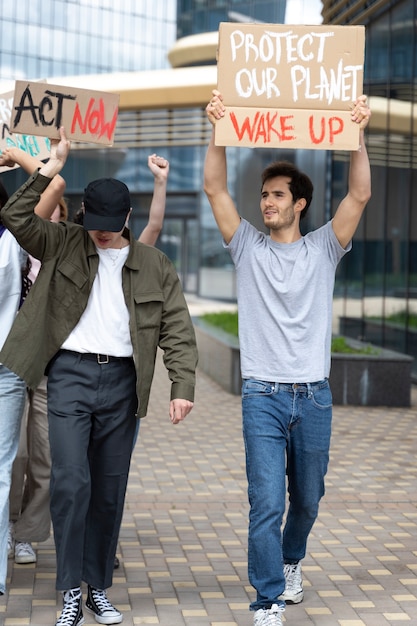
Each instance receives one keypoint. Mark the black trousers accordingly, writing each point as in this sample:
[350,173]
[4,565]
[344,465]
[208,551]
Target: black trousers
[91,413]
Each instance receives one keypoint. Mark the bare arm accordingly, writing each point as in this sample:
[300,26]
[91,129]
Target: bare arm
[160,169]
[350,210]
[52,194]
[215,176]
[60,149]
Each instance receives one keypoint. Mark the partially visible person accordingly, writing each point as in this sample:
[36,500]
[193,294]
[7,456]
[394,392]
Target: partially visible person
[13,287]
[159,167]
[99,352]
[30,519]
[285,289]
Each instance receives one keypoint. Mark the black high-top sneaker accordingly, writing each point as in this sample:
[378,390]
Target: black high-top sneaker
[72,613]
[98,604]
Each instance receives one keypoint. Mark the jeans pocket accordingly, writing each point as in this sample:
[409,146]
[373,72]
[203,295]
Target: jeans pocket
[252,387]
[322,397]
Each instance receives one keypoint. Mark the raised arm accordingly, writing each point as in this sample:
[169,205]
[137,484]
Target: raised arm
[36,235]
[60,149]
[160,169]
[52,194]
[215,176]
[350,210]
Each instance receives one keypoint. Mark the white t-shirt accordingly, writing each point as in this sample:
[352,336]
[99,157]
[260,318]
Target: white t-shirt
[285,294]
[12,261]
[104,326]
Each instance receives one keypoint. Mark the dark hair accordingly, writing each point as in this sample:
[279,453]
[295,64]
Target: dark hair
[4,196]
[300,185]
[79,217]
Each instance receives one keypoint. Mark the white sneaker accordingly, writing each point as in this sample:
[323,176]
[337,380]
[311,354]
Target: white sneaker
[24,553]
[10,541]
[269,617]
[293,593]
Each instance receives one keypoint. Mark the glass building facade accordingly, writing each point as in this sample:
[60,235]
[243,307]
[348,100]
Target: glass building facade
[41,39]
[376,288]
[204,16]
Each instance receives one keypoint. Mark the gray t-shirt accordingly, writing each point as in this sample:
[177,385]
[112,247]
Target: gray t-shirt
[285,294]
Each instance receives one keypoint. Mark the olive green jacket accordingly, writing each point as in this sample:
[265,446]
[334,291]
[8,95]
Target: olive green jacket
[158,311]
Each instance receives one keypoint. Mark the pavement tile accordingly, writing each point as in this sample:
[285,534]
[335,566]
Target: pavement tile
[182,544]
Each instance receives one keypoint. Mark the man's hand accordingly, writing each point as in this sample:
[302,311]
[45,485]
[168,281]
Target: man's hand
[60,149]
[215,109]
[179,409]
[361,112]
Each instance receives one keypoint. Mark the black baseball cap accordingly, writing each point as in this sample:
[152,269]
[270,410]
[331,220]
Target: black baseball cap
[107,204]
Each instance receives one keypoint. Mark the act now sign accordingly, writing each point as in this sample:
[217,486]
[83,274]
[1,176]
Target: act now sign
[41,109]
[289,86]
[38,147]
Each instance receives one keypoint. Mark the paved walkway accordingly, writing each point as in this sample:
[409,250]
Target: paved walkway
[183,539]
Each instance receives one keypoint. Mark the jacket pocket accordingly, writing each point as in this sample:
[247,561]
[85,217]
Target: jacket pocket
[148,309]
[67,283]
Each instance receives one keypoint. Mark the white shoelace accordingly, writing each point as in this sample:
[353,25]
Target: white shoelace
[24,548]
[70,610]
[293,581]
[101,600]
[269,617]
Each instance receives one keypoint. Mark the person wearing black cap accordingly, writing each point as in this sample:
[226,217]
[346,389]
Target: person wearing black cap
[101,306]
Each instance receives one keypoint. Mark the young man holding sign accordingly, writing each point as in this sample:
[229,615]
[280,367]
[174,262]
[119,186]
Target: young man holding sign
[101,306]
[285,288]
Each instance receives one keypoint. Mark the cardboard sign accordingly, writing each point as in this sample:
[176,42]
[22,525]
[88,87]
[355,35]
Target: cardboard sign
[41,109]
[35,146]
[289,86]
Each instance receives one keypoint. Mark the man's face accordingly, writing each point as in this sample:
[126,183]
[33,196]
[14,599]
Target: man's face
[277,204]
[105,239]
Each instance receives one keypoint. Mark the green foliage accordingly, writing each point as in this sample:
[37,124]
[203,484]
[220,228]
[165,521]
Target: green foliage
[227,321]
[340,345]
[404,318]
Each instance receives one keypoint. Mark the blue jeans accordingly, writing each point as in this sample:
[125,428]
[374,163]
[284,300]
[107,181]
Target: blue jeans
[12,402]
[286,431]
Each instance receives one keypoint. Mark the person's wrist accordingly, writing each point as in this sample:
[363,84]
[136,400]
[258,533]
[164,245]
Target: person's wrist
[13,154]
[51,168]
